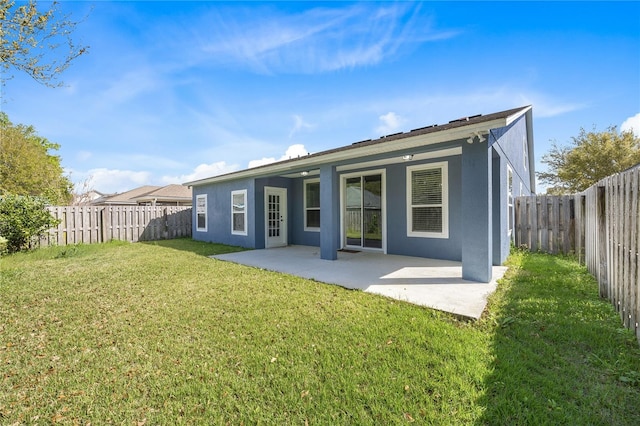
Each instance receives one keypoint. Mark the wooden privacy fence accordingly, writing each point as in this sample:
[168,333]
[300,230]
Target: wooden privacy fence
[97,224]
[545,223]
[601,226]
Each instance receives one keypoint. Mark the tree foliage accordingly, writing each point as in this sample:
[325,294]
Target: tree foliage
[36,41]
[591,157]
[27,167]
[22,218]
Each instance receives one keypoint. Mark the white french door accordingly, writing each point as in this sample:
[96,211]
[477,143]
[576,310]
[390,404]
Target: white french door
[275,216]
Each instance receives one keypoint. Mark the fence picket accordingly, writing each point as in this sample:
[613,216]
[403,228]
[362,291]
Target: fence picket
[568,217]
[626,243]
[634,274]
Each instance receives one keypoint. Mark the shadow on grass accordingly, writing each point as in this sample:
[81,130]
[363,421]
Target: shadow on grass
[197,247]
[560,353]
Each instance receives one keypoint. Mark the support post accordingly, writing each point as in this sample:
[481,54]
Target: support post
[329,214]
[477,243]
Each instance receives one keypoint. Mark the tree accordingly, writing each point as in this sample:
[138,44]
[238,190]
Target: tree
[37,42]
[27,167]
[591,157]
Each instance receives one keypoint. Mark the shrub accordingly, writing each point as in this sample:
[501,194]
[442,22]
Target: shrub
[22,218]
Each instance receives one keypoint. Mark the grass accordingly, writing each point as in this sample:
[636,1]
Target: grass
[160,334]
[560,354]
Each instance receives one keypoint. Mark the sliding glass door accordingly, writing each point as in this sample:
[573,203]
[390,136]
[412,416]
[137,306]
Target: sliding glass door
[363,211]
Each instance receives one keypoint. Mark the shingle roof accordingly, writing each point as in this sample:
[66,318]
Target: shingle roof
[148,192]
[459,122]
[128,196]
[169,191]
[435,128]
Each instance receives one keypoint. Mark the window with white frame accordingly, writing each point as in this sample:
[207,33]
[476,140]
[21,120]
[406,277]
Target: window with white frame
[428,200]
[510,199]
[312,205]
[201,212]
[239,212]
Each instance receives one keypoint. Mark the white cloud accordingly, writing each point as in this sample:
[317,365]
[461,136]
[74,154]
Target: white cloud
[299,124]
[318,40]
[202,171]
[130,85]
[294,151]
[548,106]
[633,124]
[111,180]
[261,162]
[390,123]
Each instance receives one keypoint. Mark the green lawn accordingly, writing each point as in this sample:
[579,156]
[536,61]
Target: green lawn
[159,333]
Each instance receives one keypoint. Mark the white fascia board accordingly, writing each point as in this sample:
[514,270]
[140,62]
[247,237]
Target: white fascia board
[396,160]
[314,161]
[510,119]
[532,159]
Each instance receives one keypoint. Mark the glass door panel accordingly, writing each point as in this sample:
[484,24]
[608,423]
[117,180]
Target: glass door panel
[372,211]
[353,214]
[363,212]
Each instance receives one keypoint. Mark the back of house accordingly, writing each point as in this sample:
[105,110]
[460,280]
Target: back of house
[442,191]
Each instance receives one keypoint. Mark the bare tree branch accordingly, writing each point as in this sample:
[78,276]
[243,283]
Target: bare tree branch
[35,42]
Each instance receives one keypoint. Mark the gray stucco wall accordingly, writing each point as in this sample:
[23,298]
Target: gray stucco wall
[259,223]
[298,235]
[397,240]
[219,213]
[499,209]
[509,145]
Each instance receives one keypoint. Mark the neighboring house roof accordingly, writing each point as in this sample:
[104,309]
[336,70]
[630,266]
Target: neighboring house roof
[460,128]
[127,197]
[148,193]
[167,193]
[93,194]
[88,197]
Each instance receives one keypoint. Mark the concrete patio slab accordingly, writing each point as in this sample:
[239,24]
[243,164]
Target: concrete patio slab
[437,284]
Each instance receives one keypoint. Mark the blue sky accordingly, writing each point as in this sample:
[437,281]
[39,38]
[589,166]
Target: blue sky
[172,92]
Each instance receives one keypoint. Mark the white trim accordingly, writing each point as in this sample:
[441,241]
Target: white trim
[444,165]
[206,213]
[398,159]
[510,207]
[304,205]
[510,119]
[244,212]
[282,192]
[383,201]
